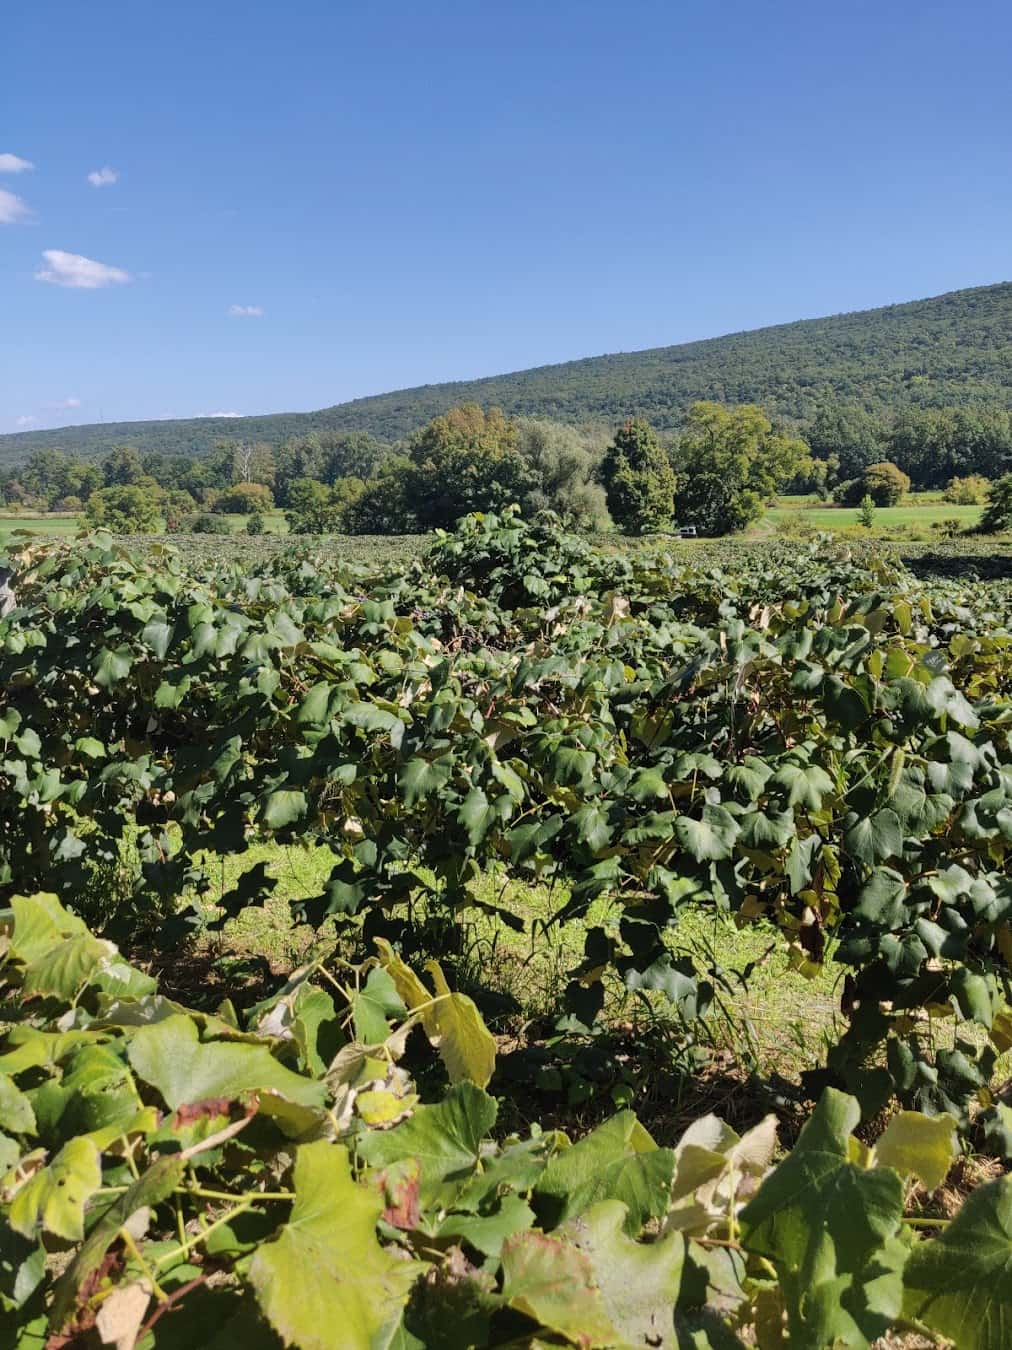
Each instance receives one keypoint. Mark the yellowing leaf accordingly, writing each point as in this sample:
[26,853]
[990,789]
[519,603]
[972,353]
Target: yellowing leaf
[464,1042]
[918,1145]
[56,1196]
[412,991]
[452,1022]
[325,1279]
[1001,1030]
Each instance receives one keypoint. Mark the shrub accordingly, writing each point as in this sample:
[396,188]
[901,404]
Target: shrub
[969,491]
[244,499]
[885,483]
[206,523]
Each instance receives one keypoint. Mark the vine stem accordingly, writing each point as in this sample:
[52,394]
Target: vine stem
[205,1194]
[186,1247]
[149,1273]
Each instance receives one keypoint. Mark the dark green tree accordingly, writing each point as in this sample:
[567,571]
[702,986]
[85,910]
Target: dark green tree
[997,517]
[848,433]
[123,467]
[385,505]
[638,479]
[315,508]
[467,460]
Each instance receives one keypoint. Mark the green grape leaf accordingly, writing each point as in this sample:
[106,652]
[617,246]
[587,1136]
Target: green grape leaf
[16,1114]
[157,634]
[313,710]
[825,1223]
[55,1197]
[960,1284]
[283,807]
[486,1233]
[616,1161]
[445,1138]
[420,778]
[170,1056]
[65,970]
[112,666]
[639,1281]
[552,1282]
[376,1001]
[40,924]
[875,838]
[325,1272]
[805,786]
[709,839]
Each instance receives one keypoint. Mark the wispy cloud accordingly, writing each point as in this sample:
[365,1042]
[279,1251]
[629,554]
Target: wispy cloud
[66,403]
[14,164]
[13,211]
[26,421]
[84,274]
[224,414]
[103,177]
[246,311]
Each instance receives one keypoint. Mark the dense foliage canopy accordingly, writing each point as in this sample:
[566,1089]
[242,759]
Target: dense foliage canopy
[810,739]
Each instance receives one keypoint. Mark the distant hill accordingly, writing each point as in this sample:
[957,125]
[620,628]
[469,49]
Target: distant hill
[952,349]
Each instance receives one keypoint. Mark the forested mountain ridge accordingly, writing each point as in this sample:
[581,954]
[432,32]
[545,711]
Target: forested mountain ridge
[953,349]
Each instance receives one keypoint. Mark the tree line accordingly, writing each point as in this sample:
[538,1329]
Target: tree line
[717,474]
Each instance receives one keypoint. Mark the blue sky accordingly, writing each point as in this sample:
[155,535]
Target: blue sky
[421,191]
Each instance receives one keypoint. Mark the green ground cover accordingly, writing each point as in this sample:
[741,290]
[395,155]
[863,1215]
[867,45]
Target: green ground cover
[666,826]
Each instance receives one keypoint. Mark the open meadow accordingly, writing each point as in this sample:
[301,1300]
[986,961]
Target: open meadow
[918,511]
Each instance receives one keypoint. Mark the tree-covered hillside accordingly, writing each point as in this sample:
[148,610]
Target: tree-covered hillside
[949,350]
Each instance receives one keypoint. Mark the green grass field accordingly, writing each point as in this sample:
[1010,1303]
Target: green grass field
[922,509]
[64,526]
[52,525]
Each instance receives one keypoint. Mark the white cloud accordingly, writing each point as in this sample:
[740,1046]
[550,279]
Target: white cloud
[103,177]
[224,414]
[14,164]
[26,421]
[12,209]
[70,269]
[246,311]
[70,403]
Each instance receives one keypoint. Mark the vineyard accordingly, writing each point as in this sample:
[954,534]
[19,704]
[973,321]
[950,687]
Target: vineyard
[811,744]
